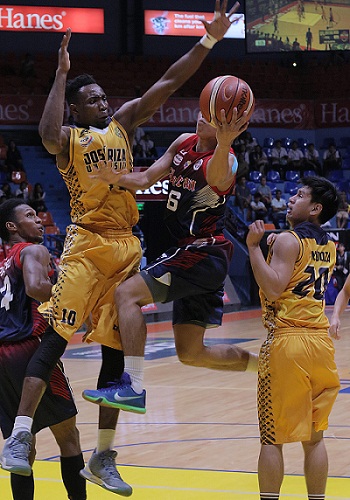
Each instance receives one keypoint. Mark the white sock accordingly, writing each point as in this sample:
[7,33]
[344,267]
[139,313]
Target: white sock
[105,440]
[134,367]
[22,423]
[252,365]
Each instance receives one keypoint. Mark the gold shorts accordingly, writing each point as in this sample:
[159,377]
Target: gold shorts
[298,383]
[92,265]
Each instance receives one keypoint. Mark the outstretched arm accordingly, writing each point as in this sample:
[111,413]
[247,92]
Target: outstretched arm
[53,135]
[139,180]
[138,111]
[340,304]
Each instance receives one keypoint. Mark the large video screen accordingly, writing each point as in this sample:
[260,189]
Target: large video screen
[282,25]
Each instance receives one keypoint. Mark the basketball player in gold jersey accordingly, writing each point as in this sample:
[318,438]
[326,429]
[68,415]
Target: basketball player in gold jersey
[297,375]
[100,250]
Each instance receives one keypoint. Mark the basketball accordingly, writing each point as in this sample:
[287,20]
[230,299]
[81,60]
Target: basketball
[226,92]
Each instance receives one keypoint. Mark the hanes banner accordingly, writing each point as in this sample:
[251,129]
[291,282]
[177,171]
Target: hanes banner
[177,112]
[51,19]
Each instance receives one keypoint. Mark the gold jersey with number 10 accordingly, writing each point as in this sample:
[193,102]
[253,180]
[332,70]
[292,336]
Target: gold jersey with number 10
[92,202]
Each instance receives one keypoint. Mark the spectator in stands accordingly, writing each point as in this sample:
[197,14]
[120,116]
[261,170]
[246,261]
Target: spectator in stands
[312,159]
[265,191]
[148,147]
[295,157]
[279,210]
[37,199]
[249,141]
[14,161]
[23,191]
[342,216]
[6,192]
[138,155]
[259,210]
[243,161]
[341,269]
[296,45]
[279,158]
[331,159]
[258,160]
[139,133]
[243,198]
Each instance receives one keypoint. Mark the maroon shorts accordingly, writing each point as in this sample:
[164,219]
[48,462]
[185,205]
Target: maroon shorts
[57,403]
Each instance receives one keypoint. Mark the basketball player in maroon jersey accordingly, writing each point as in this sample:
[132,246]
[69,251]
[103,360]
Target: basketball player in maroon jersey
[24,282]
[202,169]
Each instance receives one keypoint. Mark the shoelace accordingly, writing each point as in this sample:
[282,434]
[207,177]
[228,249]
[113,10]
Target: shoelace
[109,465]
[19,449]
[124,381]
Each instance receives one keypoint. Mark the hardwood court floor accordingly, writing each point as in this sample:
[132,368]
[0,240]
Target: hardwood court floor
[199,439]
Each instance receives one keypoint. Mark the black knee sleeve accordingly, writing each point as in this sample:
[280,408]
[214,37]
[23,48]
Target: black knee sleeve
[22,487]
[112,366]
[51,348]
[74,483]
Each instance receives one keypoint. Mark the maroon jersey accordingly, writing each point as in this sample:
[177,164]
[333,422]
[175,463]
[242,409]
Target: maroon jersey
[19,318]
[194,208]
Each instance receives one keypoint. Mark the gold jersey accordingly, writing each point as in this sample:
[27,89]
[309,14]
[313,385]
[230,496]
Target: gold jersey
[302,304]
[94,202]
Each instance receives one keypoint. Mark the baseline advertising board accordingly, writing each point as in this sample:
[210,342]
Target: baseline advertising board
[183,23]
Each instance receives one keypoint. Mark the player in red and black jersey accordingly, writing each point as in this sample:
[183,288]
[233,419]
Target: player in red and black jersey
[24,283]
[202,169]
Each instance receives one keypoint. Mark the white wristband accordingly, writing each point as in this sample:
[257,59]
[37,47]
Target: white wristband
[208,41]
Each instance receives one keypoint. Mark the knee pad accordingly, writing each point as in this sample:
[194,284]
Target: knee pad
[51,348]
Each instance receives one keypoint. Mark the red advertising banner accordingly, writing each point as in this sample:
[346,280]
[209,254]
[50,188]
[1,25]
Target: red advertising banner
[184,23]
[176,112]
[51,19]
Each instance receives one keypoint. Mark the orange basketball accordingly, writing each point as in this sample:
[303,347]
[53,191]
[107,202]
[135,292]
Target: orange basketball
[226,92]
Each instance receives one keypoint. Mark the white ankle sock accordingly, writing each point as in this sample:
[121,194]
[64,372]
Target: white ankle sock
[105,440]
[134,367]
[252,365]
[22,423]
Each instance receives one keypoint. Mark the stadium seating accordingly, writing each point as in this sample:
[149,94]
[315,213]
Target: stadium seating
[292,175]
[290,187]
[273,176]
[255,176]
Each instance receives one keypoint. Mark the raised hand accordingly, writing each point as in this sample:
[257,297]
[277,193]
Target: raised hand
[221,22]
[63,55]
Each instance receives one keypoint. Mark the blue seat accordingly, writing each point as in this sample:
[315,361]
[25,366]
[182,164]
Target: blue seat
[302,143]
[291,187]
[344,185]
[273,176]
[273,187]
[268,142]
[309,173]
[292,175]
[286,142]
[3,177]
[255,176]
[252,186]
[346,164]
[344,141]
[336,175]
